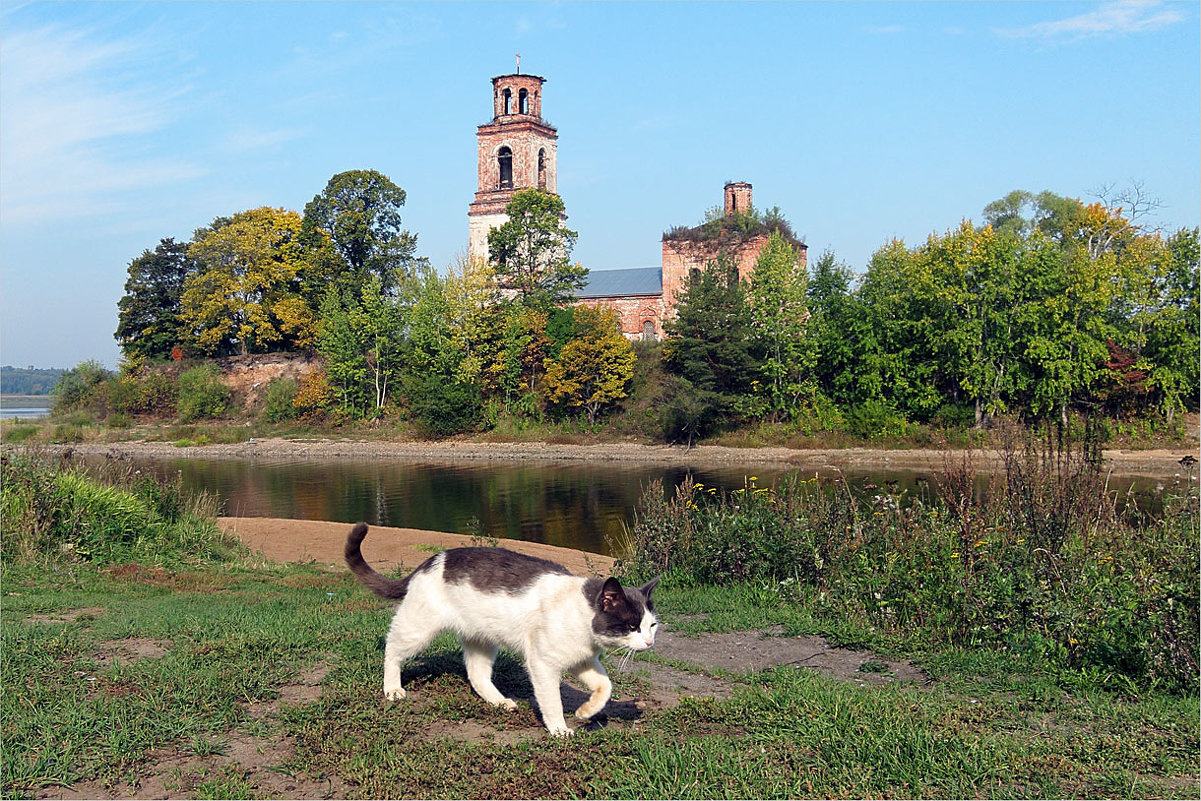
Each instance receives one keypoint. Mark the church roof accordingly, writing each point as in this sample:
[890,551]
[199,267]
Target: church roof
[618,283]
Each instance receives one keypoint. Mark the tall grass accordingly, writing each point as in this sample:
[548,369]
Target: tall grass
[53,509]
[1043,560]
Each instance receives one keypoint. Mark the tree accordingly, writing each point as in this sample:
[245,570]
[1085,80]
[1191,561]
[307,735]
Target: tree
[531,252]
[149,314]
[363,342]
[710,344]
[1169,323]
[779,312]
[360,212]
[245,294]
[593,370]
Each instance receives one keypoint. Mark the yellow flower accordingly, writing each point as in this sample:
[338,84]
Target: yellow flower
[955,555]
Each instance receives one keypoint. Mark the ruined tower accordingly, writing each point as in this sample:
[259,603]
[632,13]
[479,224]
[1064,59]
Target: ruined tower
[516,151]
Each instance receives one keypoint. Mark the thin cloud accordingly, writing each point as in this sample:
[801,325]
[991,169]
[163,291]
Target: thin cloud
[77,114]
[1107,20]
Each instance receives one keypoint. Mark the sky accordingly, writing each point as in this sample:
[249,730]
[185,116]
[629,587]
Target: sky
[125,123]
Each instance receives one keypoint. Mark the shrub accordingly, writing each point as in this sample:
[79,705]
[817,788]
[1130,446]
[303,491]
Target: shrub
[876,419]
[201,394]
[65,513]
[279,401]
[75,388]
[1040,561]
[443,406]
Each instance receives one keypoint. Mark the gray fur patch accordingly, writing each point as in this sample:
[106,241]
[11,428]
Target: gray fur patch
[496,570]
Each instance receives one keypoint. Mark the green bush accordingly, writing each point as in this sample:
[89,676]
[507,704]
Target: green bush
[279,401]
[75,388]
[1041,561]
[201,394]
[442,406]
[876,419]
[122,514]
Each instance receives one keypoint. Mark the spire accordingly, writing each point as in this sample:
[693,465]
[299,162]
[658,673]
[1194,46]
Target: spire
[519,63]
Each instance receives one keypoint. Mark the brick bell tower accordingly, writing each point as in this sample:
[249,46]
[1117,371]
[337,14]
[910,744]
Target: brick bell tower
[517,150]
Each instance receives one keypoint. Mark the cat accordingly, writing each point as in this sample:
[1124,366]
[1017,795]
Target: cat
[492,597]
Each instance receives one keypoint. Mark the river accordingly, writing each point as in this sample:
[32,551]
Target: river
[583,506]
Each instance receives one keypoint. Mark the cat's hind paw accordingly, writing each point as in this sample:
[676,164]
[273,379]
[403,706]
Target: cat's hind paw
[396,694]
[509,704]
[563,732]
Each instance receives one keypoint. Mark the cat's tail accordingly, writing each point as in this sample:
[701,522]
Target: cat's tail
[394,589]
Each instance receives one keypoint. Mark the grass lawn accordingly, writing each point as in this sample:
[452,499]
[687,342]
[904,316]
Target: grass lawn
[258,680]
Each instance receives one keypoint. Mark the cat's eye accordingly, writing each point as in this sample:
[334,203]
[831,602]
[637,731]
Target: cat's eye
[633,627]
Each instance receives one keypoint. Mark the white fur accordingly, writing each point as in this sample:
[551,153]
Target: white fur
[549,624]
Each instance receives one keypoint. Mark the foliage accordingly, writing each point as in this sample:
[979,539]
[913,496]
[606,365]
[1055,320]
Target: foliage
[531,251]
[359,211]
[593,370]
[201,394]
[28,380]
[442,405]
[362,341]
[719,227]
[712,347]
[150,313]
[279,400]
[65,513]
[1043,562]
[779,314]
[246,294]
[76,386]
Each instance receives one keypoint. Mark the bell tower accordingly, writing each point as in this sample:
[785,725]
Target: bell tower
[517,150]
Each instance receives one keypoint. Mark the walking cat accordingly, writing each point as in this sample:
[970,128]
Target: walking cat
[491,597]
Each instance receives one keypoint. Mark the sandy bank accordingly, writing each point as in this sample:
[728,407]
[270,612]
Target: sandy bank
[385,548]
[1156,463]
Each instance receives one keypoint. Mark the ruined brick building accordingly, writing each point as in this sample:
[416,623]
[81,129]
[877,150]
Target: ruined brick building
[517,150]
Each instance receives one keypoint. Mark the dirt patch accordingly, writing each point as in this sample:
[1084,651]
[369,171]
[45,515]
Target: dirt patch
[253,755]
[743,651]
[130,649]
[385,548]
[70,616]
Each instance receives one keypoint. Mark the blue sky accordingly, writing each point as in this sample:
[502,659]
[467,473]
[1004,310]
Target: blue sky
[123,123]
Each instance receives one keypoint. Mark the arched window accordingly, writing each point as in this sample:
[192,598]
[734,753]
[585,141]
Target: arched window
[505,159]
[648,330]
[508,95]
[542,168]
[523,102]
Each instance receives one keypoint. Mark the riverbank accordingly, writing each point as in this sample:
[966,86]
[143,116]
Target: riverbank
[386,549]
[1158,463]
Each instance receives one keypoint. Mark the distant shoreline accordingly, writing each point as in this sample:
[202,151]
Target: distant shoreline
[1161,463]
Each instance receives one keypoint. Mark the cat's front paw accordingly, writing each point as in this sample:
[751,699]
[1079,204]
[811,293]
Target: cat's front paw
[394,694]
[509,704]
[561,732]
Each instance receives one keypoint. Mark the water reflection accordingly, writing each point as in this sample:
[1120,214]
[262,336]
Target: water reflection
[572,505]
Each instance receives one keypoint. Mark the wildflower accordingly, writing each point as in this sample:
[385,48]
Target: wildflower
[979,543]
[955,555]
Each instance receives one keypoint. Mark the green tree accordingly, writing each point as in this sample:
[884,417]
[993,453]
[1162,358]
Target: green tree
[779,312]
[149,313]
[531,252]
[359,210]
[363,344]
[592,371]
[246,294]
[1166,326]
[711,346]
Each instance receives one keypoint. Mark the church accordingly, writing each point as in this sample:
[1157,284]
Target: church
[518,150]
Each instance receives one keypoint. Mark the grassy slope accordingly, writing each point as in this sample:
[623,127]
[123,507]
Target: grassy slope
[991,725]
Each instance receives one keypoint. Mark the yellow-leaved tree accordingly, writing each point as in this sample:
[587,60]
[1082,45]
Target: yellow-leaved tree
[247,293]
[593,370]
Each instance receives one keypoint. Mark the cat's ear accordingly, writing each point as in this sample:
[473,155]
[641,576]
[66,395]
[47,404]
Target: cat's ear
[612,596]
[647,588]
